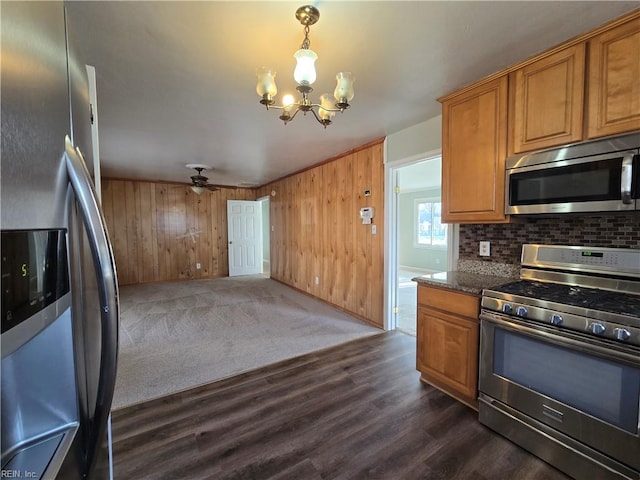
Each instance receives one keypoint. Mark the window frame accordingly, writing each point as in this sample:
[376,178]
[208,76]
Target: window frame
[416,228]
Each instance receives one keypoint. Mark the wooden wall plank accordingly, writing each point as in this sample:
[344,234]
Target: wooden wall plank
[161,225]
[377,241]
[147,260]
[118,228]
[318,226]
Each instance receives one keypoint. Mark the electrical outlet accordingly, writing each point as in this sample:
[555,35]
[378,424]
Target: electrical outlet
[197,266]
[485,249]
[316,280]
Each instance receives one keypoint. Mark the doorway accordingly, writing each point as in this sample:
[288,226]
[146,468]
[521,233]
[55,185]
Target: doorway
[418,242]
[244,223]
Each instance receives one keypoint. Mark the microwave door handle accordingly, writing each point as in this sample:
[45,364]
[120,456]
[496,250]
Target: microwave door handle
[625,179]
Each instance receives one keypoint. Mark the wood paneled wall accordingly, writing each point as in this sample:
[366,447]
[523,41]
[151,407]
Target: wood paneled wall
[317,231]
[149,224]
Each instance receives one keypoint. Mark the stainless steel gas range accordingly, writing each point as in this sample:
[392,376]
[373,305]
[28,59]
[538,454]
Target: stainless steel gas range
[560,359]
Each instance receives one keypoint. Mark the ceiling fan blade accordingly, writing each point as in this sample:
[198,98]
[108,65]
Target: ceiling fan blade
[218,187]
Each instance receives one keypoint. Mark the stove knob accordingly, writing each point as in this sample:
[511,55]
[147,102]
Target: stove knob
[597,328]
[506,308]
[556,319]
[521,311]
[621,333]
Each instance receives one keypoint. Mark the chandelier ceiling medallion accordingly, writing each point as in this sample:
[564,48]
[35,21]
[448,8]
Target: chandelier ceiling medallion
[305,74]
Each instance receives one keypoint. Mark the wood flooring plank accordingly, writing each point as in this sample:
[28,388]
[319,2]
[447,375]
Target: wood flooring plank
[355,411]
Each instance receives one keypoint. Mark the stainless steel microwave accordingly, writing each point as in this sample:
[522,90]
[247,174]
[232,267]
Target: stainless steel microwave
[596,176]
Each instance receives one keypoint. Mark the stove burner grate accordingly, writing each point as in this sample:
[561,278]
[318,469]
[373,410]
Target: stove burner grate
[591,298]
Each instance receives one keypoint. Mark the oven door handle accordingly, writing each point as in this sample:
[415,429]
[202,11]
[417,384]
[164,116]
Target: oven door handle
[626,177]
[564,338]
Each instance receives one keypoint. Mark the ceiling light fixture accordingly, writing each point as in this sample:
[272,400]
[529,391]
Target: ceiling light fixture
[305,74]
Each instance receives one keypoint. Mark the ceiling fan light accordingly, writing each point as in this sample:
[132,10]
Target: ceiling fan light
[344,88]
[305,72]
[197,190]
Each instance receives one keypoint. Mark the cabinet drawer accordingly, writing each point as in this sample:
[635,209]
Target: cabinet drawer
[463,304]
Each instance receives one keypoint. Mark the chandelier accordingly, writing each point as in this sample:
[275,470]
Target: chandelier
[305,74]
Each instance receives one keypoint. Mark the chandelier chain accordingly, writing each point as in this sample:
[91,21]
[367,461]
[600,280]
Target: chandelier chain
[306,43]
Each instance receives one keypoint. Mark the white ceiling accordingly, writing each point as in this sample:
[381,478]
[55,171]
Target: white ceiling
[420,176]
[176,80]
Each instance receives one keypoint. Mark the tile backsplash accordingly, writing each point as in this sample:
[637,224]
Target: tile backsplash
[607,230]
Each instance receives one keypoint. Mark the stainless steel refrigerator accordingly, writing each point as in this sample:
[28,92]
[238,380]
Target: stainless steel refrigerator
[60,308]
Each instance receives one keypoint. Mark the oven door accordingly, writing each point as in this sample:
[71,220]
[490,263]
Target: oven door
[585,388]
[591,184]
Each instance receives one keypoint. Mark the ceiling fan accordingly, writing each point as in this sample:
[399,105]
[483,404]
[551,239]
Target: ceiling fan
[200,183]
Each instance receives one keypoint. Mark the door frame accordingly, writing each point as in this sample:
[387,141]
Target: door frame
[266,239]
[391,233]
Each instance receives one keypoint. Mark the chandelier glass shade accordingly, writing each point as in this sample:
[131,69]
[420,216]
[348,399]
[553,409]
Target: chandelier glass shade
[305,75]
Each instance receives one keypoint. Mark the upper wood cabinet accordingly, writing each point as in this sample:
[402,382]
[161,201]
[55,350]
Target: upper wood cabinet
[614,81]
[474,147]
[546,101]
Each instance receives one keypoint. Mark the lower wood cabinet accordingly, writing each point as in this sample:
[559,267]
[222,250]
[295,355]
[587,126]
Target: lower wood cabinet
[447,342]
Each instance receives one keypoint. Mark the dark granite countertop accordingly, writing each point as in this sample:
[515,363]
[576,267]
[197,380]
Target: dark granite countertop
[466,282]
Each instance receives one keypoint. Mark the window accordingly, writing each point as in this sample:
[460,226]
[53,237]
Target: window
[429,228]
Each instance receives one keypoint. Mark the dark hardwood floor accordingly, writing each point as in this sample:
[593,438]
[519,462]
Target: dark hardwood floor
[356,411]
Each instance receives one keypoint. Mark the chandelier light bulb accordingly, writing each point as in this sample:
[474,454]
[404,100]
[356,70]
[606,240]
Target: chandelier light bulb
[326,104]
[305,72]
[288,100]
[266,82]
[344,88]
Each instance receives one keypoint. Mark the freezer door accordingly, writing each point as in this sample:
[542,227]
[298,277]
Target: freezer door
[34,115]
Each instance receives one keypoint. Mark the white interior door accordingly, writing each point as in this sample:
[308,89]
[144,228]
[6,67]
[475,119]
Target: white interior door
[244,221]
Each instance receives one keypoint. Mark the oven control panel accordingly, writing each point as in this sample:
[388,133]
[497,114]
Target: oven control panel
[616,261]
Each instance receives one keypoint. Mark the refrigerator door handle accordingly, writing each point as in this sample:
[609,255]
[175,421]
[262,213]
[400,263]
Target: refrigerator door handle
[104,264]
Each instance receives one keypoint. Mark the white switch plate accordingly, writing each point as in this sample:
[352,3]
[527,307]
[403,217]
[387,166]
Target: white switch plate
[197,266]
[374,229]
[316,280]
[485,249]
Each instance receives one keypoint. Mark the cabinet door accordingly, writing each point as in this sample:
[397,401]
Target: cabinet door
[614,81]
[546,101]
[473,154]
[448,352]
